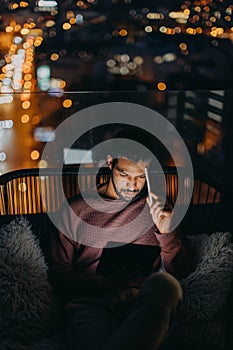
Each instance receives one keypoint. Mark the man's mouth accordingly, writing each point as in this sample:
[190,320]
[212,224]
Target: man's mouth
[129,193]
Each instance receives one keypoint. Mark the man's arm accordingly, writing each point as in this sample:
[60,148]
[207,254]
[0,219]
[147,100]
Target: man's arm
[175,253]
[69,284]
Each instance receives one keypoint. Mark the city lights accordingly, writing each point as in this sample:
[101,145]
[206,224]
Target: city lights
[35,155]
[47,3]
[42,164]
[6,124]
[35,120]
[6,99]
[25,118]
[67,103]
[2,156]
[26,105]
[56,47]
[161,86]
[43,77]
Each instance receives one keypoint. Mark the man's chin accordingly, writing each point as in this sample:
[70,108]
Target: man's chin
[128,198]
[125,199]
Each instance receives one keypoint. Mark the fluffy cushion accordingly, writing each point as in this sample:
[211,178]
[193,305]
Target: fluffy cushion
[193,335]
[207,287]
[26,300]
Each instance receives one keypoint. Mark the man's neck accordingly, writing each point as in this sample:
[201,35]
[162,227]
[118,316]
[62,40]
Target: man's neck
[107,190]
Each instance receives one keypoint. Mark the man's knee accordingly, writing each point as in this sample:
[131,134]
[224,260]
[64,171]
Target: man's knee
[162,287]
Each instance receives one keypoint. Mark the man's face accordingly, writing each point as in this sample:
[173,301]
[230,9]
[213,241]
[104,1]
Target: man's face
[128,178]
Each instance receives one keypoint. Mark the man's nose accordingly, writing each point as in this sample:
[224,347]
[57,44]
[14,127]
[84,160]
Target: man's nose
[132,183]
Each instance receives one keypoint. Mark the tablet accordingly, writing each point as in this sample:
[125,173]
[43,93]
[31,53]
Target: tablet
[128,259]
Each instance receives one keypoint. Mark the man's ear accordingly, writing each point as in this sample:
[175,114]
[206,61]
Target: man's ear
[109,161]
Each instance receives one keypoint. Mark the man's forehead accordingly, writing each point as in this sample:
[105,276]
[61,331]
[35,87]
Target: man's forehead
[127,162]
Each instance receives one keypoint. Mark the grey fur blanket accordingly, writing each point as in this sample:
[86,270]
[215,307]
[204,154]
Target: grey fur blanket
[26,299]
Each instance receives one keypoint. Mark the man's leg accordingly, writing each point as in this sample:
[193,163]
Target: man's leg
[89,324]
[148,323]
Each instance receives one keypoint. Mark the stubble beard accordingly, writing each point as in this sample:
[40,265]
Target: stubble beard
[120,196]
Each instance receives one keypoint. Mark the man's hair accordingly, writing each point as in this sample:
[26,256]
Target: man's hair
[138,145]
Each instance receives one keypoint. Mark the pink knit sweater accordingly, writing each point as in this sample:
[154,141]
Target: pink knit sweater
[94,223]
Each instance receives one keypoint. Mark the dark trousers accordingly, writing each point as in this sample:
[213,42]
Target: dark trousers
[137,319]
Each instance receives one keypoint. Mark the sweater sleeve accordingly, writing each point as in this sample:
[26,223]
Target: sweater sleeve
[68,283]
[175,254]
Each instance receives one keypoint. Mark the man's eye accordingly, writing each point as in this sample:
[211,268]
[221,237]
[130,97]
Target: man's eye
[123,174]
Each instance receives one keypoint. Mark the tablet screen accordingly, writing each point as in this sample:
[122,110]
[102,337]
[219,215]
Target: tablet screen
[129,258]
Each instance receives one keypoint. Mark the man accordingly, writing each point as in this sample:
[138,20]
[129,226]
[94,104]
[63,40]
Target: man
[125,308]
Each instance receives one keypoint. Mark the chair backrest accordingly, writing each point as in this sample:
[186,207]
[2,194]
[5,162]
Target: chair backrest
[36,191]
[33,191]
